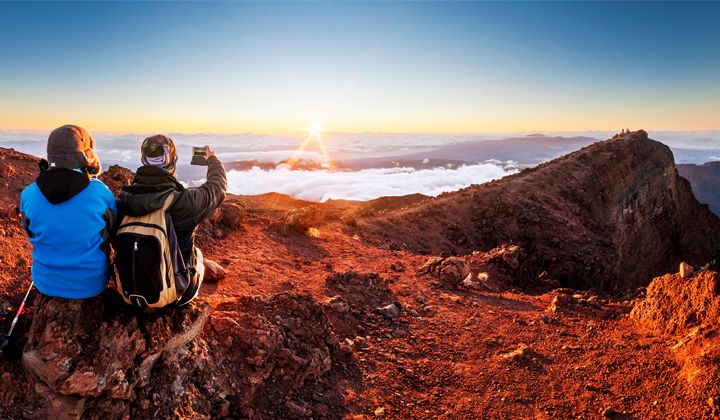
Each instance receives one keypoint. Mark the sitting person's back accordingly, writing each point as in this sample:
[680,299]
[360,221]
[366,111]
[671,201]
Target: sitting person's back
[153,184]
[68,216]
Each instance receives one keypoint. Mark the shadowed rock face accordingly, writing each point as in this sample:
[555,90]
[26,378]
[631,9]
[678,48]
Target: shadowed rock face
[611,215]
[705,181]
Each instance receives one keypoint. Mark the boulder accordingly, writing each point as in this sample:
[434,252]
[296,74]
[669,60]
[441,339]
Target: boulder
[687,309]
[230,215]
[95,359]
[80,352]
[300,220]
[116,177]
[496,270]
[674,305]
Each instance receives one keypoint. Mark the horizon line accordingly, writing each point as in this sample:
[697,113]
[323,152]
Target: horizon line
[329,132]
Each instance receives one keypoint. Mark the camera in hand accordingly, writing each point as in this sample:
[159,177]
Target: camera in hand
[199,156]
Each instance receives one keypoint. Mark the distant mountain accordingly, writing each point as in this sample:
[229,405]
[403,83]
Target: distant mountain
[528,151]
[705,181]
[695,156]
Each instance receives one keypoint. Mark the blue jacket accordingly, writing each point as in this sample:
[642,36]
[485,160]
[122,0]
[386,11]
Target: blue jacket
[68,218]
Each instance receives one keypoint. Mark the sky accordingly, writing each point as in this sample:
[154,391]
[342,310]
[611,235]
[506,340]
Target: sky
[405,67]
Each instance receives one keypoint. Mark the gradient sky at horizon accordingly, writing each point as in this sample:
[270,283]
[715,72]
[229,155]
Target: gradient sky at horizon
[361,66]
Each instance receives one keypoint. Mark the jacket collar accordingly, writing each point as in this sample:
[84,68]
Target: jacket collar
[60,184]
[148,191]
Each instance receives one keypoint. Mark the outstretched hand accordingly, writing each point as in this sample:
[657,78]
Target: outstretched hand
[209,153]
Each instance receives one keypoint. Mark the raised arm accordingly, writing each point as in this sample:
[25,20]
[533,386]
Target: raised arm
[206,198]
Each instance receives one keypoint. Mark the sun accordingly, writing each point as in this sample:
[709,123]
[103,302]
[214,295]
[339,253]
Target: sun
[315,129]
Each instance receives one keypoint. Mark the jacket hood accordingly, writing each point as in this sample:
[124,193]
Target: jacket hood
[60,184]
[148,191]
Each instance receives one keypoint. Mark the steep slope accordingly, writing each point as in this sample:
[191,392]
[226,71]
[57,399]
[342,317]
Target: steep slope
[613,215]
[705,181]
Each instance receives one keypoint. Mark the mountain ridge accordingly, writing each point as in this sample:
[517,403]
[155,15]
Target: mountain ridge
[614,209]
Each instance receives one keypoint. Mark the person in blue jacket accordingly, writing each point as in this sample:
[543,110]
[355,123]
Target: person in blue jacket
[68,215]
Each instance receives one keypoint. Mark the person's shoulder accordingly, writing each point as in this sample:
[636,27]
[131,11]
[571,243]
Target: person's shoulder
[30,189]
[99,187]
[96,183]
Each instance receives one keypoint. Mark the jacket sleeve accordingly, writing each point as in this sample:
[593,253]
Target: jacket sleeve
[205,199]
[23,217]
[110,219]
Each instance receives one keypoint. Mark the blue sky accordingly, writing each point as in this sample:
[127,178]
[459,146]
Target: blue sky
[360,66]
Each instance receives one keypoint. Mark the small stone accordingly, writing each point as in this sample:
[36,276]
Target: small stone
[390,311]
[609,413]
[560,303]
[347,347]
[339,305]
[299,410]
[360,342]
[380,412]
[213,271]
[686,270]
[322,410]
[6,171]
[520,352]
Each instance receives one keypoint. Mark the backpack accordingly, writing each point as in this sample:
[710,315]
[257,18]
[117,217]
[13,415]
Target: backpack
[149,267]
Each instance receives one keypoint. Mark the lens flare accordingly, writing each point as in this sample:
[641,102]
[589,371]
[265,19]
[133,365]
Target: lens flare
[315,131]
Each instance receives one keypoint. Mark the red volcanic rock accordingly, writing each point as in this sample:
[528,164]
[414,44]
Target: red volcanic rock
[230,215]
[90,358]
[299,221]
[675,305]
[86,353]
[116,177]
[214,272]
[17,171]
[497,270]
[689,310]
[7,170]
[611,215]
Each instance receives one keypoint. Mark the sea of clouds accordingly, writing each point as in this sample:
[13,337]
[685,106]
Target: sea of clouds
[321,185]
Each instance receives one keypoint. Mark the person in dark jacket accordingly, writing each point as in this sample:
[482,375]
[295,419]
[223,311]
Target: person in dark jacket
[190,207]
[68,216]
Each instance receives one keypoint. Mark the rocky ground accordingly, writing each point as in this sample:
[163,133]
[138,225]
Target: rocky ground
[310,314]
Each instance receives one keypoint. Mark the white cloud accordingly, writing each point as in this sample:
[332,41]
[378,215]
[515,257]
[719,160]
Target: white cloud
[275,156]
[360,185]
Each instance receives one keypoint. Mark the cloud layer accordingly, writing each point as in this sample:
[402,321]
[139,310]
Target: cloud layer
[360,185]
